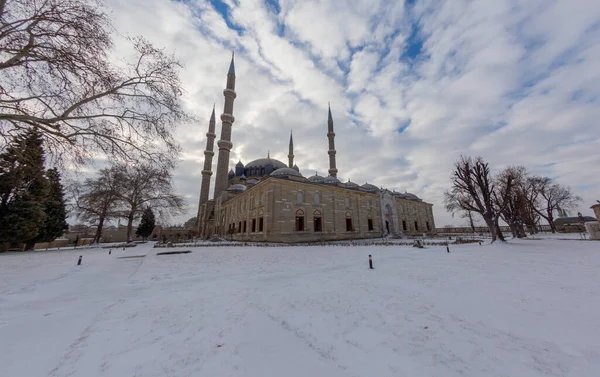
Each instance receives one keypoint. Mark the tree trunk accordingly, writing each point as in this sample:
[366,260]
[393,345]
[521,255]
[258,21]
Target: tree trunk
[550,220]
[499,234]
[514,230]
[99,230]
[490,224]
[130,225]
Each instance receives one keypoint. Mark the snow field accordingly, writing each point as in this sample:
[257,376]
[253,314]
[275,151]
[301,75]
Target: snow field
[526,308]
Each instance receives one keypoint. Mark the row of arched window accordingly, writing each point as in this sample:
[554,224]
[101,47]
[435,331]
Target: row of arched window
[318,221]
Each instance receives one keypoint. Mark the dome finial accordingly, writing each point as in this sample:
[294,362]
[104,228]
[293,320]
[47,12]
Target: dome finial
[268,154]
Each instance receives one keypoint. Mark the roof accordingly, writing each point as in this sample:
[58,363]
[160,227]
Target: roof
[316,178]
[285,172]
[236,187]
[573,220]
[369,187]
[262,162]
[331,179]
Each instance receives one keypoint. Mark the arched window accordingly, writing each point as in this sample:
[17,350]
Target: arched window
[299,197]
[368,204]
[370,222]
[349,227]
[317,221]
[299,220]
[347,202]
[317,198]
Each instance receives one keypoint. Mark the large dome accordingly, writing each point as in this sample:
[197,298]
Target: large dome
[285,172]
[262,162]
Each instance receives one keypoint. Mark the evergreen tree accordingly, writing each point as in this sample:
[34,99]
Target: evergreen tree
[146,226]
[54,208]
[23,189]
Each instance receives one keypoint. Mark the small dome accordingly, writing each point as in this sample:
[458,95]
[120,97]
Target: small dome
[316,178]
[369,187]
[351,184]
[408,196]
[252,181]
[296,168]
[239,164]
[243,176]
[331,180]
[285,172]
[236,187]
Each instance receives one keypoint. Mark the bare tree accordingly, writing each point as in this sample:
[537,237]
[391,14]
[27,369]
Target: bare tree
[97,199]
[57,76]
[473,190]
[141,186]
[510,198]
[549,196]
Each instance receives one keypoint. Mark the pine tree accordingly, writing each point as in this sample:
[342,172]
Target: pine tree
[146,226]
[23,188]
[54,208]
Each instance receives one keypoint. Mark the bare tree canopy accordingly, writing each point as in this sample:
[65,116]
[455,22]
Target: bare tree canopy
[57,76]
[512,195]
[141,186]
[96,199]
[549,196]
[473,190]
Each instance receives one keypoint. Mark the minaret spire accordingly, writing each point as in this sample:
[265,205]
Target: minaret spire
[208,156]
[331,135]
[291,152]
[227,120]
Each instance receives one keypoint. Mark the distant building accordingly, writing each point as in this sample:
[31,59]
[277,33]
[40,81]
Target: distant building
[268,200]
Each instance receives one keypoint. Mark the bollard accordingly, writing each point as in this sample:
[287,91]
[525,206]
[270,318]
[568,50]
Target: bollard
[79,261]
[370,262]
[479,243]
[447,248]
[109,251]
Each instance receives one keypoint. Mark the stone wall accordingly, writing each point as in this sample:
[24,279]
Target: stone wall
[283,203]
[596,208]
[415,218]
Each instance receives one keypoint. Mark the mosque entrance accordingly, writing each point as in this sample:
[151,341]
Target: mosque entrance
[387,226]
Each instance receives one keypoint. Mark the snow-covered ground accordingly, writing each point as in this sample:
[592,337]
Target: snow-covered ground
[527,308]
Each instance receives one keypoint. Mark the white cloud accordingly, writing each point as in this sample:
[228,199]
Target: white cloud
[516,82]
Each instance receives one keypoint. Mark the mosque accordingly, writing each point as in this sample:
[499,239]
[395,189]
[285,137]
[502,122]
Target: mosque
[270,201]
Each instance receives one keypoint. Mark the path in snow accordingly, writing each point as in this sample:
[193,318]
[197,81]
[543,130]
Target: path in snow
[528,308]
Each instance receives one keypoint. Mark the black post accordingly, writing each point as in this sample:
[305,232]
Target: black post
[109,251]
[447,248]
[79,261]
[370,262]
[479,243]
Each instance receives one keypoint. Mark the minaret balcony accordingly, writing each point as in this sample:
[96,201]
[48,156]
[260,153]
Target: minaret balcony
[229,93]
[224,144]
[211,134]
[209,153]
[206,172]
[227,118]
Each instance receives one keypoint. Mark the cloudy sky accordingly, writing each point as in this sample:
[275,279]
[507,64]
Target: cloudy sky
[412,85]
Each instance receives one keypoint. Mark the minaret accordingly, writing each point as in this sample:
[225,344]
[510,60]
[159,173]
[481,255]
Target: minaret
[291,154]
[208,156]
[331,135]
[225,143]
